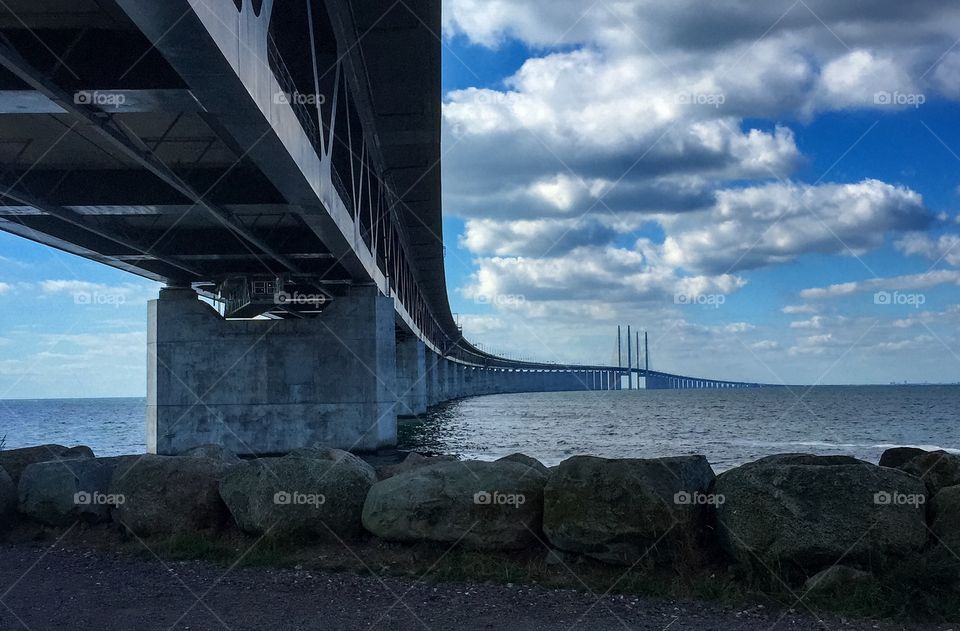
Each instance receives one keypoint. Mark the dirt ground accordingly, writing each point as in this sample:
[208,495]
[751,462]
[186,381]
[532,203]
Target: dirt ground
[68,587]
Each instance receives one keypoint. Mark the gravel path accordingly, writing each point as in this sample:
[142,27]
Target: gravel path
[43,588]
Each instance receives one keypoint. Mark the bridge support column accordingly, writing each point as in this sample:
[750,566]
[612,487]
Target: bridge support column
[470,382]
[270,386]
[411,377]
[434,394]
[453,380]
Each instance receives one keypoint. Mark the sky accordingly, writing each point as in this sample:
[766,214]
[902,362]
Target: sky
[771,190]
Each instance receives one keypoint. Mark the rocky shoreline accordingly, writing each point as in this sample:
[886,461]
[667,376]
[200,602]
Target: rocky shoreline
[810,524]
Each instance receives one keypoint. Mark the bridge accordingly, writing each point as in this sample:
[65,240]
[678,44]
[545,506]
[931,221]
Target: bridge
[276,165]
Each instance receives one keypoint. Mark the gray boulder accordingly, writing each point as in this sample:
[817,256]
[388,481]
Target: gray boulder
[60,492]
[8,500]
[484,505]
[835,578]
[945,517]
[938,469]
[334,455]
[896,457]
[413,461]
[14,461]
[802,513]
[168,494]
[213,452]
[524,459]
[298,495]
[617,510]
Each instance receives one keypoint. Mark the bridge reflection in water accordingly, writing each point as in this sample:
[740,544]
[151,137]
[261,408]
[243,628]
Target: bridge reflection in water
[281,160]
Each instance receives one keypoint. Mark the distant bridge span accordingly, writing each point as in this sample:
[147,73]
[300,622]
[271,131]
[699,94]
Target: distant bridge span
[280,158]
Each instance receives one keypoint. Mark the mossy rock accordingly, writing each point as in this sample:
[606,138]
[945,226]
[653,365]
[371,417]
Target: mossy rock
[299,495]
[796,514]
[482,505]
[625,510]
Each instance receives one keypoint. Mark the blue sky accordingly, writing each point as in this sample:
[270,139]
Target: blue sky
[772,192]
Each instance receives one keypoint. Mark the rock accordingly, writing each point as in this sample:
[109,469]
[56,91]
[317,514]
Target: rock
[16,460]
[8,500]
[945,517]
[836,577]
[334,455]
[60,492]
[299,494]
[484,505]
[169,494]
[615,510]
[898,456]
[213,452]
[524,459]
[938,469]
[413,461]
[559,557]
[803,513]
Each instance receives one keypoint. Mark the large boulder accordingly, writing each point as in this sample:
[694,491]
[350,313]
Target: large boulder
[524,459]
[60,492]
[802,513]
[619,510]
[413,461]
[836,578]
[896,457]
[8,500]
[334,455]
[213,452]
[14,461]
[938,469]
[945,517]
[301,494]
[168,494]
[484,505]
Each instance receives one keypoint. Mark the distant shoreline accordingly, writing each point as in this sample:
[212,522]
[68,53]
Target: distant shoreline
[792,385]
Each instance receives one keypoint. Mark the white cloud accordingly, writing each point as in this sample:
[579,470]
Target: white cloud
[897,283]
[603,275]
[800,309]
[5,288]
[538,237]
[945,248]
[776,223]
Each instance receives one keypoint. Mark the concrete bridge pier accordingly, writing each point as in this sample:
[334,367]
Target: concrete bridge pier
[411,377]
[270,386]
[433,379]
